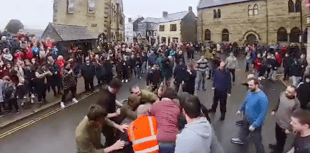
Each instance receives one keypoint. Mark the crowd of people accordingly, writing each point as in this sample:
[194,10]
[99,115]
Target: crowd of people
[168,117]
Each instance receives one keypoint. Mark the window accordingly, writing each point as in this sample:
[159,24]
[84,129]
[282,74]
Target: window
[91,6]
[250,10]
[162,28]
[214,14]
[219,13]
[225,35]
[294,35]
[207,34]
[70,8]
[173,27]
[290,6]
[255,9]
[163,39]
[297,5]
[282,34]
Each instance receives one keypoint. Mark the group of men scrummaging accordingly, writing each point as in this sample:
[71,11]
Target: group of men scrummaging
[157,122]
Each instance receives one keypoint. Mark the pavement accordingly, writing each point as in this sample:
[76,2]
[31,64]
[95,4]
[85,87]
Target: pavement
[29,109]
[54,132]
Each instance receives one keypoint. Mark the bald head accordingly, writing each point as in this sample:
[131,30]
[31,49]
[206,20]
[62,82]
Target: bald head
[143,109]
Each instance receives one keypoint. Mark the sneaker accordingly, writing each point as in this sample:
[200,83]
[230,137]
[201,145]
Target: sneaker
[17,112]
[204,89]
[122,81]
[32,96]
[237,141]
[74,100]
[126,80]
[22,104]
[62,105]
[240,123]
[2,115]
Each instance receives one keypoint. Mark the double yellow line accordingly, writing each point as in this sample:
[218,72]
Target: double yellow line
[29,123]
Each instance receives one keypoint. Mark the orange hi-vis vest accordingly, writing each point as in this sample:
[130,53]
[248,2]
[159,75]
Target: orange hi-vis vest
[142,133]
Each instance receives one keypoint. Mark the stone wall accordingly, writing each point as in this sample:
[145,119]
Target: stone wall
[172,34]
[235,18]
[95,22]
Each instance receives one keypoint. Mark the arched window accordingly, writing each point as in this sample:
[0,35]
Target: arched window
[207,34]
[282,34]
[297,5]
[255,9]
[219,13]
[70,7]
[214,14]
[91,6]
[225,35]
[290,6]
[294,35]
[250,10]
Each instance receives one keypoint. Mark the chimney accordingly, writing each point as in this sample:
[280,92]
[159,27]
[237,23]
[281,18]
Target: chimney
[190,9]
[129,19]
[165,14]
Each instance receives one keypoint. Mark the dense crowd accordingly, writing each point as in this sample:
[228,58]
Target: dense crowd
[168,117]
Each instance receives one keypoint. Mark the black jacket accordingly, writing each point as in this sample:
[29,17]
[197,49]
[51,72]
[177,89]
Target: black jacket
[88,71]
[180,73]
[303,95]
[153,77]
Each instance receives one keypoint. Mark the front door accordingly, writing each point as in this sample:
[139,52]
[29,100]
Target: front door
[251,39]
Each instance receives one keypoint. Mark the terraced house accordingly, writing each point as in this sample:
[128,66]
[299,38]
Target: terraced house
[178,27]
[264,21]
[101,17]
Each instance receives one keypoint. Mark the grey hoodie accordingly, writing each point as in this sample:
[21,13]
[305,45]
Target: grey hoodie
[198,137]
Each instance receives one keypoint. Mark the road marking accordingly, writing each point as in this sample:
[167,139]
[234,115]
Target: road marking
[7,133]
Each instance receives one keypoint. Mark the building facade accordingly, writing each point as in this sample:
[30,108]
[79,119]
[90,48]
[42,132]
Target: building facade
[178,27]
[248,21]
[129,31]
[101,17]
[148,30]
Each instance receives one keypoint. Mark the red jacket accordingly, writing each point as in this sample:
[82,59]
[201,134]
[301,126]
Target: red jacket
[258,64]
[61,64]
[19,55]
[28,53]
[279,59]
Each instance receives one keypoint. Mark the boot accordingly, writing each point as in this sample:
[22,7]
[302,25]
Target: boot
[222,117]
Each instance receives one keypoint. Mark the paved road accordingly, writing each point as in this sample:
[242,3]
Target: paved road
[55,134]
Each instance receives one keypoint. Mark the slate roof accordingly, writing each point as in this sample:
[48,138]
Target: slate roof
[174,17]
[213,3]
[73,32]
[153,20]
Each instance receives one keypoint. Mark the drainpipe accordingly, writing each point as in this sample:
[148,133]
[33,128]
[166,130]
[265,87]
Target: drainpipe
[267,23]
[301,30]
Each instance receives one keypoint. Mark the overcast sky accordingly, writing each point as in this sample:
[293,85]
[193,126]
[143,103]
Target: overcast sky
[38,13]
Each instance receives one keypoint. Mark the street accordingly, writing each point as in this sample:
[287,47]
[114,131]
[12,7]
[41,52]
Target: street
[55,134]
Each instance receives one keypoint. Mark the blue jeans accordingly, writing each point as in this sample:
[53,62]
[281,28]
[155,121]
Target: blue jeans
[166,147]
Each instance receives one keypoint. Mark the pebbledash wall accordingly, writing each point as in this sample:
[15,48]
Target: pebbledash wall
[272,15]
[103,18]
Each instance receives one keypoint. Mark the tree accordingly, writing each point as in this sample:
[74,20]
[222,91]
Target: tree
[14,26]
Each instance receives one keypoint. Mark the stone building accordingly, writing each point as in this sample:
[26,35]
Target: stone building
[101,17]
[178,27]
[249,21]
[148,30]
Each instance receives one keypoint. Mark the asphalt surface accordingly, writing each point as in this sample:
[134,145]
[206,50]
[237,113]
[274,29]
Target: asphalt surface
[55,134]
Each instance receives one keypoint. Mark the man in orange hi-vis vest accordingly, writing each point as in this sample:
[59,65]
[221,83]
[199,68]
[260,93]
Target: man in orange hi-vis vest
[143,131]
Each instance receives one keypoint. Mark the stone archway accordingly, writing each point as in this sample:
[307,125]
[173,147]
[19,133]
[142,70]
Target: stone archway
[251,39]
